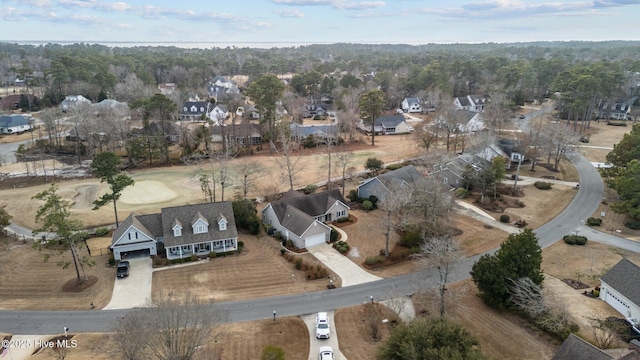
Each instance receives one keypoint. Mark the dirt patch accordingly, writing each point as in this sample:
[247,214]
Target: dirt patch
[73,286]
[575,284]
[85,196]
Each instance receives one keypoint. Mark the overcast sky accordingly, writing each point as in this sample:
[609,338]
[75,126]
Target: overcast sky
[267,22]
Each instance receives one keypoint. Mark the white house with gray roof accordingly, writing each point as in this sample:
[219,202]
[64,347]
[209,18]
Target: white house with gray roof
[411,105]
[182,231]
[301,218]
[388,125]
[15,124]
[620,288]
[475,103]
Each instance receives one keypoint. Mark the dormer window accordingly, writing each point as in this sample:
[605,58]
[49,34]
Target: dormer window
[200,224]
[222,225]
[184,109]
[177,231]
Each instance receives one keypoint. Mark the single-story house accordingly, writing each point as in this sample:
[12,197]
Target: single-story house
[388,125]
[321,131]
[237,134]
[194,110]
[72,101]
[513,149]
[475,103]
[574,347]
[301,218]
[411,105]
[113,108]
[15,124]
[493,151]
[620,288]
[379,185]
[616,110]
[182,231]
[452,173]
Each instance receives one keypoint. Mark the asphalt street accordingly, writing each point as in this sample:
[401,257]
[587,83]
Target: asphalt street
[572,218]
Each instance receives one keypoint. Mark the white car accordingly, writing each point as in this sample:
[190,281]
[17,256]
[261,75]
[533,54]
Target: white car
[326,353]
[322,326]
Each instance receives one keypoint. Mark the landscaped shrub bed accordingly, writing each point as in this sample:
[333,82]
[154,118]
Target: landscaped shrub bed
[594,221]
[633,224]
[542,185]
[575,239]
[312,271]
[341,246]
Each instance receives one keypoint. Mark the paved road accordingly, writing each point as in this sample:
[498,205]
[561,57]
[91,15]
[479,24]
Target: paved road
[583,205]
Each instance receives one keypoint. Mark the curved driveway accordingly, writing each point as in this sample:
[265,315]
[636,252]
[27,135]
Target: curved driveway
[572,218]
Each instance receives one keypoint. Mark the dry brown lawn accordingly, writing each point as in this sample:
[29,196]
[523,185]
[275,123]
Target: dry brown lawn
[228,341]
[259,271]
[30,283]
[354,332]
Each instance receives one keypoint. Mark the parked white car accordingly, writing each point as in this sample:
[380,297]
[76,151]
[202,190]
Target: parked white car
[322,326]
[326,353]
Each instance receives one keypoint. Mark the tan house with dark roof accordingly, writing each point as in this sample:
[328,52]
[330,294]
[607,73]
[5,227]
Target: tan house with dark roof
[301,218]
[182,231]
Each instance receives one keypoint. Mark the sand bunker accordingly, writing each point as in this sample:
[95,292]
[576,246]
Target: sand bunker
[147,192]
[85,196]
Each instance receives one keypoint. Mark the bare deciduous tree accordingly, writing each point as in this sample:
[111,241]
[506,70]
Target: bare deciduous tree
[527,296]
[393,203]
[441,252]
[176,327]
[250,170]
[290,166]
[343,160]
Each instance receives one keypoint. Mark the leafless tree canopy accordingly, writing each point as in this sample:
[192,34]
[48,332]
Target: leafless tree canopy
[174,328]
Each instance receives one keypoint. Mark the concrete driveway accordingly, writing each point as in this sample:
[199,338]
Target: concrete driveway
[135,290]
[350,273]
[315,344]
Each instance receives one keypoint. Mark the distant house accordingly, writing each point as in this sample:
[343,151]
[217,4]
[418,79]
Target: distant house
[620,288]
[194,110]
[315,110]
[171,131]
[574,347]
[113,108]
[380,185]
[237,134]
[411,105]
[15,124]
[493,151]
[388,125]
[513,149]
[321,131]
[73,101]
[452,173]
[219,114]
[471,121]
[166,88]
[219,86]
[301,218]
[182,230]
[475,103]
[615,110]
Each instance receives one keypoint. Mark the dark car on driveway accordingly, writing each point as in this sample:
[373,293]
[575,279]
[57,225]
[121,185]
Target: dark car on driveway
[123,269]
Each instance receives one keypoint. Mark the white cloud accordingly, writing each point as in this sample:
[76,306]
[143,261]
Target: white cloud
[294,13]
[362,5]
[304,2]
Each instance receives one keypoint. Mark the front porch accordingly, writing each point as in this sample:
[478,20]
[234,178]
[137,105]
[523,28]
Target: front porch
[201,249]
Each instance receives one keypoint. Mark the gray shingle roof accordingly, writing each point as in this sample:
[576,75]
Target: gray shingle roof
[624,277]
[13,120]
[208,212]
[390,120]
[296,211]
[575,347]
[407,174]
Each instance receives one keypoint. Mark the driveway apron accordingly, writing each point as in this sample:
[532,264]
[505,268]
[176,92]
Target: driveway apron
[315,344]
[135,290]
[350,273]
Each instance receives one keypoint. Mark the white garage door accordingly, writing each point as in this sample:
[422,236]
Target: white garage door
[617,303]
[314,240]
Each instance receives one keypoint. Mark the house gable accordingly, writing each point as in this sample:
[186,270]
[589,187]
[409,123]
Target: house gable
[132,235]
[624,277]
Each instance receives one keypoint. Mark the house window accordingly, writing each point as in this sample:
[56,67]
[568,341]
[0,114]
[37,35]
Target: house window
[445,180]
[177,231]
[199,229]
[341,213]
[457,181]
[222,225]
